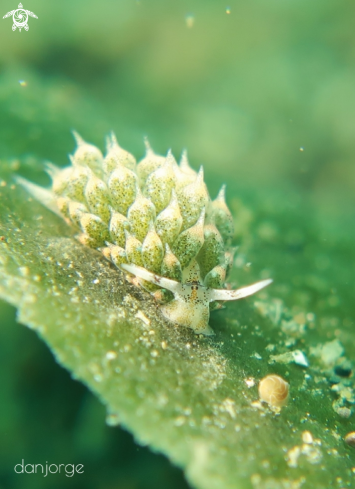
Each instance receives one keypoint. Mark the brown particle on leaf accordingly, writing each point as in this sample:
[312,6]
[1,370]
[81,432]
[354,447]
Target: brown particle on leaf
[350,439]
[273,389]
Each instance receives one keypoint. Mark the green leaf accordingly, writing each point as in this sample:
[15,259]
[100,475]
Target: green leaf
[183,395]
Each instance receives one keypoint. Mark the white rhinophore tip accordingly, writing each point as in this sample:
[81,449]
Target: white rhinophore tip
[232,295]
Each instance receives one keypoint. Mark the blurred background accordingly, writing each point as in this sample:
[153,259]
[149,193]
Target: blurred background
[261,93]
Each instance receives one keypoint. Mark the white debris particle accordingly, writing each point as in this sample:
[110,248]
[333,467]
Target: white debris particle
[255,479]
[342,411]
[164,345]
[96,281]
[206,420]
[256,355]
[328,352]
[179,421]
[309,449]
[140,315]
[24,271]
[111,355]
[293,328]
[250,382]
[300,358]
[296,356]
[154,353]
[162,399]
[228,406]
[220,424]
[346,393]
[313,454]
[307,437]
[257,405]
[292,456]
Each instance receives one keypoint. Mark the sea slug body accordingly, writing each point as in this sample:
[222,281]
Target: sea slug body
[153,219]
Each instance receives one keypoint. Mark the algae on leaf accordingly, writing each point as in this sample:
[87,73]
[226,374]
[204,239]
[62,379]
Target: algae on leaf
[193,398]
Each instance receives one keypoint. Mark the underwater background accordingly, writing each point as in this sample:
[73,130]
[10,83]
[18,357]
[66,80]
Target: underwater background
[263,95]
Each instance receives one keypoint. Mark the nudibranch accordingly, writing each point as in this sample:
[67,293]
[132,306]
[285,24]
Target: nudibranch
[153,219]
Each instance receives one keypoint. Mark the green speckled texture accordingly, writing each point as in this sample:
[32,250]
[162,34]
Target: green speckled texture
[264,98]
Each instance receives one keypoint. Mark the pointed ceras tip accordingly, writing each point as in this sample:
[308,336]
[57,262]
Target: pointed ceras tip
[201,219]
[148,148]
[113,139]
[184,160]
[222,193]
[170,159]
[78,139]
[51,170]
[108,144]
[184,164]
[200,175]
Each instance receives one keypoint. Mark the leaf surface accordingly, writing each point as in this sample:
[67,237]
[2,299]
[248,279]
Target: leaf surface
[193,398]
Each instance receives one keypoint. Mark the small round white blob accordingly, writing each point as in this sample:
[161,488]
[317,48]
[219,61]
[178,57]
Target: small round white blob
[350,439]
[273,389]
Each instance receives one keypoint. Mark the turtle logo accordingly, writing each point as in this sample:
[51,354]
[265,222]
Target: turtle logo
[20,17]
